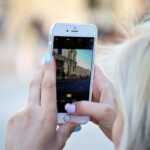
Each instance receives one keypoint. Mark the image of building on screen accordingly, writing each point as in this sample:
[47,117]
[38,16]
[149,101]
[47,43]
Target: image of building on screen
[70,65]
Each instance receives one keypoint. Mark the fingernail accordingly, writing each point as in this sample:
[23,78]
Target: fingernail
[77,128]
[70,108]
[47,58]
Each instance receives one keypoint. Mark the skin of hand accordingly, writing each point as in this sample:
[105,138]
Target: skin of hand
[34,127]
[102,109]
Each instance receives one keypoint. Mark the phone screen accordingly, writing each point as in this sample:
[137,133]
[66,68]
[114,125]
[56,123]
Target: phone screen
[74,56]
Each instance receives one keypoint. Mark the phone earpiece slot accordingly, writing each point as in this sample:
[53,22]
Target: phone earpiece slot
[74,31]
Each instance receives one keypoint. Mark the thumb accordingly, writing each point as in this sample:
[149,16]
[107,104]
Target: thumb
[95,110]
[63,133]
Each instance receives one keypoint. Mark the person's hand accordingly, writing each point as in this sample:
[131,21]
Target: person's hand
[34,127]
[103,89]
[102,110]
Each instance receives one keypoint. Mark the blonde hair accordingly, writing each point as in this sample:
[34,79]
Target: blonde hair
[130,73]
[133,87]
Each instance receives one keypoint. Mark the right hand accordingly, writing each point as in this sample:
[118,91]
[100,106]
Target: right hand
[102,110]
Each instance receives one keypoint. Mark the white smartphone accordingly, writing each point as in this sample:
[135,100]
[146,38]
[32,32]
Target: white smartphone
[73,47]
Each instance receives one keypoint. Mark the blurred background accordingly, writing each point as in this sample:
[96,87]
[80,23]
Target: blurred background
[24,29]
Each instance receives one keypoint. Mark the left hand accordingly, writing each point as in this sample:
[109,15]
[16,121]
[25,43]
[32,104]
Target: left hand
[101,110]
[34,127]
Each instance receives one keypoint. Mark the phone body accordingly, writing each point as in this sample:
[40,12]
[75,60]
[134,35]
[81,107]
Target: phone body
[73,47]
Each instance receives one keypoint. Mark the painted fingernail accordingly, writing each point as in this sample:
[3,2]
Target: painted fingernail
[47,58]
[77,128]
[70,108]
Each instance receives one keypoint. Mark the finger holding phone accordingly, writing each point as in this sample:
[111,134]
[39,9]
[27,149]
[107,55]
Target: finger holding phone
[34,127]
[102,109]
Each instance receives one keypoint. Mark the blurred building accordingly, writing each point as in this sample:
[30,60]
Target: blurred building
[27,12]
[24,26]
[39,15]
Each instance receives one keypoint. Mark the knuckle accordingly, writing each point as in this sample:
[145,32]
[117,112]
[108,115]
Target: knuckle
[34,83]
[12,120]
[107,110]
[27,115]
[48,84]
[50,113]
[37,79]
[80,106]
[20,118]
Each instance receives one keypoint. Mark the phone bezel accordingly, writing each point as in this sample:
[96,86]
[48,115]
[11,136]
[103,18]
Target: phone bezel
[74,30]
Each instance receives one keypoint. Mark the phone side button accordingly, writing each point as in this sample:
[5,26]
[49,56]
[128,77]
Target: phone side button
[67,118]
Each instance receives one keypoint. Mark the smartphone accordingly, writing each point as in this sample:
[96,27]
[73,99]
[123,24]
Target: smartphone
[73,47]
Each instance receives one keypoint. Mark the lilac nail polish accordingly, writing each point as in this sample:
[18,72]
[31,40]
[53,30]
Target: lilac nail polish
[70,108]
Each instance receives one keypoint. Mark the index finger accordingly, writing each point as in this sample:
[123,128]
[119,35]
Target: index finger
[48,94]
